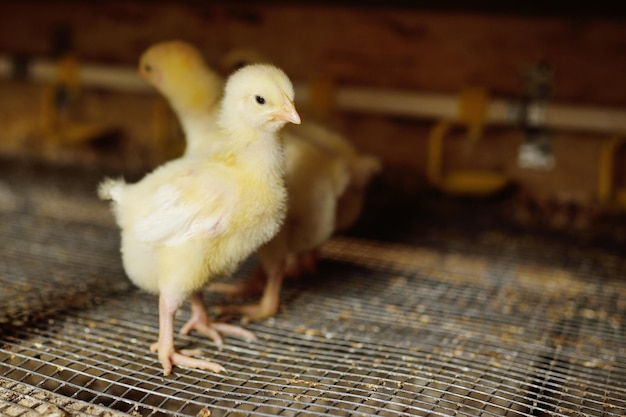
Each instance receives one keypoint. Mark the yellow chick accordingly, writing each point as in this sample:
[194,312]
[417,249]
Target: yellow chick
[178,71]
[197,218]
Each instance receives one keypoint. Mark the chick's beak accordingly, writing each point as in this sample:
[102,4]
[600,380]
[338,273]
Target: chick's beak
[288,113]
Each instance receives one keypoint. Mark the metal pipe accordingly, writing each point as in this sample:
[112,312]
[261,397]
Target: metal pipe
[369,100]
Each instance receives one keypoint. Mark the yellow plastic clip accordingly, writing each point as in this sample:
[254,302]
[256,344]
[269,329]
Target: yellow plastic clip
[435,151]
[68,73]
[60,93]
[606,166]
[472,110]
[471,115]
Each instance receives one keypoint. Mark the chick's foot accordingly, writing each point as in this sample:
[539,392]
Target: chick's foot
[268,305]
[169,357]
[201,322]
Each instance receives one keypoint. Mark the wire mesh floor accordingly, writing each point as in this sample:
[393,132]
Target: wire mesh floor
[386,329]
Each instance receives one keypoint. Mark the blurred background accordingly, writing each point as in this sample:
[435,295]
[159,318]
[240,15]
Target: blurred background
[530,96]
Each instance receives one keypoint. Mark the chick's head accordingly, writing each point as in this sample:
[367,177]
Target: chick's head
[260,97]
[162,62]
[179,72]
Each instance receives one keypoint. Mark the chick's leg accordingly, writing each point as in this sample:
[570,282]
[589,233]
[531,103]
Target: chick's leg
[201,322]
[168,355]
[293,266]
[309,261]
[268,305]
[302,263]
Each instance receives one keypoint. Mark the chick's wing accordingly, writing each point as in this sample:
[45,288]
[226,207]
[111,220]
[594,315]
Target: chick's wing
[184,209]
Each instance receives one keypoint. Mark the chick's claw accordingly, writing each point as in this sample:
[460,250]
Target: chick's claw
[204,327]
[213,330]
[201,322]
[236,331]
[178,358]
[171,357]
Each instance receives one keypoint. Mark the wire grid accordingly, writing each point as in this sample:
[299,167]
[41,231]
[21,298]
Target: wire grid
[382,329]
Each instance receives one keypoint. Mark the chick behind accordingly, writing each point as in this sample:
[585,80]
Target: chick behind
[179,72]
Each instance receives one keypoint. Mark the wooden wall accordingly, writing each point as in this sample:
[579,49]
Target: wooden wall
[395,47]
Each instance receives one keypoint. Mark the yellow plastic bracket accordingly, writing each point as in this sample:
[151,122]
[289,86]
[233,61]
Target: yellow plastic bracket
[471,114]
[435,150]
[68,72]
[606,165]
[472,110]
[67,75]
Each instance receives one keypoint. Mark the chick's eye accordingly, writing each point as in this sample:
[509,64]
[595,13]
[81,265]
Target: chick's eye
[147,68]
[260,100]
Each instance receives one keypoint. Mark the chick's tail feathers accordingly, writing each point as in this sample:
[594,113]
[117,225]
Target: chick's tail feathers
[111,189]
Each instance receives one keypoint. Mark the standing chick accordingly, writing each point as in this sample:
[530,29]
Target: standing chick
[197,218]
[178,71]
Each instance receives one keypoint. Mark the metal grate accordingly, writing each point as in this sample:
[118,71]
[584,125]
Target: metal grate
[383,329]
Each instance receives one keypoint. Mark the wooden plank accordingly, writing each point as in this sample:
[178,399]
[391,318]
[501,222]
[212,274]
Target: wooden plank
[404,49]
